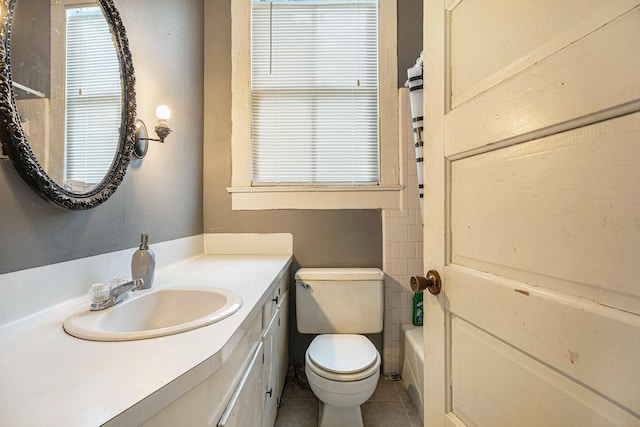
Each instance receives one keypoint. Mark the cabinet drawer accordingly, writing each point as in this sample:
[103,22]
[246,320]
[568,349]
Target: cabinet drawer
[275,298]
[204,404]
[244,408]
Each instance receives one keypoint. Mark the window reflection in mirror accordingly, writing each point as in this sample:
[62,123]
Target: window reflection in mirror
[68,89]
[93,104]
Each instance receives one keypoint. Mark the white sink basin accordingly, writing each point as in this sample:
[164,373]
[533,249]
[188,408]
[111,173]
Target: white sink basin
[155,313]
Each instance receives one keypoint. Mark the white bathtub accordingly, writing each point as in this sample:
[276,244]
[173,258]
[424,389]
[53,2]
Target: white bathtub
[413,365]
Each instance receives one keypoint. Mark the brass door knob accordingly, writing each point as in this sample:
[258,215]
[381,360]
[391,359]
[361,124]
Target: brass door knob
[432,282]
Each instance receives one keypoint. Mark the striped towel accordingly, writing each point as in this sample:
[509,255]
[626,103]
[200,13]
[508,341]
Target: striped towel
[415,96]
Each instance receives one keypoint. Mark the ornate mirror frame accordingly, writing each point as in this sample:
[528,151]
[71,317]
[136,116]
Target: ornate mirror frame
[14,141]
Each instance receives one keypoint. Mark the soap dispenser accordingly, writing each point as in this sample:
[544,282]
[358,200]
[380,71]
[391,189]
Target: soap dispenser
[143,263]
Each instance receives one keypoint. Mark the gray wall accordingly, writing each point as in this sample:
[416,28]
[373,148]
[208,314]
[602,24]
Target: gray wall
[162,195]
[322,238]
[409,36]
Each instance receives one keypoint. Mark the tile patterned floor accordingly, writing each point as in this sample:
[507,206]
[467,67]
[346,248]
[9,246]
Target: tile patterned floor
[388,407]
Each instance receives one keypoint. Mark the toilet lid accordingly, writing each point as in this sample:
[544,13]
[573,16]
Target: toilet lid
[342,353]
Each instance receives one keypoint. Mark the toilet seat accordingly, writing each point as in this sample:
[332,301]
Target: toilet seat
[342,357]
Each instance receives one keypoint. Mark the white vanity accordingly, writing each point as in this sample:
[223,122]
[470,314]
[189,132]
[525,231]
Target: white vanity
[230,373]
[245,390]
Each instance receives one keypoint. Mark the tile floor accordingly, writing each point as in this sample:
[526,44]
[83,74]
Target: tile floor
[388,407]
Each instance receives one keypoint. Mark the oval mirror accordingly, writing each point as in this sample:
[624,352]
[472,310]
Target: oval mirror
[67,99]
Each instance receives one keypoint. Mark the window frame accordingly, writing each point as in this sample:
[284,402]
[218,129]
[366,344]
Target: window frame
[244,196]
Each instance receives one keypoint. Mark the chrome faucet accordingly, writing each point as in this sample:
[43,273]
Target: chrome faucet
[102,297]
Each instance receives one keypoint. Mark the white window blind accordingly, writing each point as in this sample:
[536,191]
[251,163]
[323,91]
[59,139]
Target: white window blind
[93,97]
[314,92]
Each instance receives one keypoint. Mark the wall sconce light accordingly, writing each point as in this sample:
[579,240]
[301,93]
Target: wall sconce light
[162,129]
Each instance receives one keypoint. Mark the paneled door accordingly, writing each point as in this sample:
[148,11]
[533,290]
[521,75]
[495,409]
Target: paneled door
[532,212]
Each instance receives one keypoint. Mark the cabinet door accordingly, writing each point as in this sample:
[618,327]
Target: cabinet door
[283,342]
[269,371]
[244,408]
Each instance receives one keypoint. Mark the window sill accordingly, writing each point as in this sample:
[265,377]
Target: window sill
[265,198]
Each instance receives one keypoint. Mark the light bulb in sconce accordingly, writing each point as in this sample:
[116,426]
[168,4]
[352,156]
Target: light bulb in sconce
[163,112]
[163,129]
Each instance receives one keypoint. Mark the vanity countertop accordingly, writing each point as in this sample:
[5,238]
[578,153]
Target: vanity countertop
[49,378]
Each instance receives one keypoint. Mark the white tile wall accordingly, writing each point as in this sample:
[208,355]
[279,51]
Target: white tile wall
[402,250]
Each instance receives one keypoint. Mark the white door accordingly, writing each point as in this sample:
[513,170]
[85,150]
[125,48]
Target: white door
[532,212]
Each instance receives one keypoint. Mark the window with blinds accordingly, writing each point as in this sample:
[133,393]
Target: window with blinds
[314,92]
[93,97]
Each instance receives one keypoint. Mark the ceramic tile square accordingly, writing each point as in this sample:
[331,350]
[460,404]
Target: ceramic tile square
[412,170]
[399,233]
[399,266]
[405,250]
[386,249]
[297,413]
[414,233]
[413,202]
[395,350]
[386,391]
[395,335]
[395,317]
[388,316]
[393,366]
[397,213]
[417,216]
[419,251]
[388,294]
[415,266]
[406,315]
[387,339]
[386,356]
[384,414]
[394,286]
[403,282]
[388,323]
[407,219]
[395,301]
[408,300]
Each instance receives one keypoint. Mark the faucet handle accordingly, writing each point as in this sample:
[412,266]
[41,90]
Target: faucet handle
[117,281]
[99,292]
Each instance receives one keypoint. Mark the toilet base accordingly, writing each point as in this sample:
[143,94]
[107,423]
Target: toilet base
[332,416]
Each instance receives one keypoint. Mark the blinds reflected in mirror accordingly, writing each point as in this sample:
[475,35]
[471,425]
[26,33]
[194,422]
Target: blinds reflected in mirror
[93,98]
[314,92]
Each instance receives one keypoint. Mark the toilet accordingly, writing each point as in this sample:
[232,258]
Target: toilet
[341,364]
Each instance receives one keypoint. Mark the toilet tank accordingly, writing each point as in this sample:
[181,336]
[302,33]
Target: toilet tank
[339,300]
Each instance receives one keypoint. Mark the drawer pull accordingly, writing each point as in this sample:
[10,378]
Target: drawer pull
[234,398]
